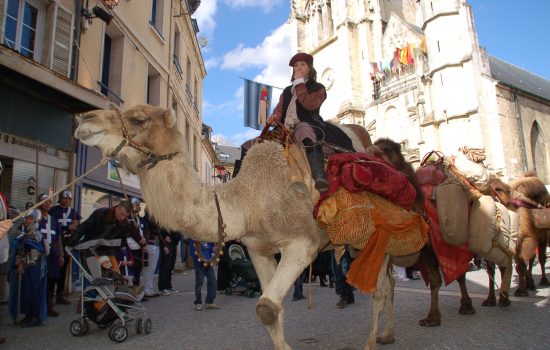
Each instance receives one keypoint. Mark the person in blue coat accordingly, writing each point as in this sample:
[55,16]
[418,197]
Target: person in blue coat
[28,274]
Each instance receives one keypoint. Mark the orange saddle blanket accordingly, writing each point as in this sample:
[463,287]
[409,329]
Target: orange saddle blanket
[376,226]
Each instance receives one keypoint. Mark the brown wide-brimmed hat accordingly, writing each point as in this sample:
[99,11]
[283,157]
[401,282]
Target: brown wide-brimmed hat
[302,56]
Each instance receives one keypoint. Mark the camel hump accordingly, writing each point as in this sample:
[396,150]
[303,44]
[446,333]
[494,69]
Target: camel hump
[359,136]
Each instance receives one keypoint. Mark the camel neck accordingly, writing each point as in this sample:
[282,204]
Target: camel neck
[176,198]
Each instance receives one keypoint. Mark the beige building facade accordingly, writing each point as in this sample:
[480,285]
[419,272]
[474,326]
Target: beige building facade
[72,56]
[413,71]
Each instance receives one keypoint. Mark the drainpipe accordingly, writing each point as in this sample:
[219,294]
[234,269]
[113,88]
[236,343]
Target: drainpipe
[170,58]
[73,152]
[520,129]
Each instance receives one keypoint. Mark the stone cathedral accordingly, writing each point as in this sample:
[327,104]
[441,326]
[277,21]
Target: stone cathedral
[413,71]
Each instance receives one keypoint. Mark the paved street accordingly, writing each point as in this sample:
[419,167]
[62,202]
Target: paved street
[176,325]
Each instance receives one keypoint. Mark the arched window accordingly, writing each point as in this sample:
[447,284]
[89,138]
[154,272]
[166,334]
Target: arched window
[539,153]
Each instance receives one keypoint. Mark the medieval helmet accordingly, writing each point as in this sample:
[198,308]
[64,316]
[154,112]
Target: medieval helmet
[65,194]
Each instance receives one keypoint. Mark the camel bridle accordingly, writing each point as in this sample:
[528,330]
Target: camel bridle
[128,140]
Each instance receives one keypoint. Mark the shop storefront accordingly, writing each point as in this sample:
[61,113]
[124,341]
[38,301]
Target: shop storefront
[102,187]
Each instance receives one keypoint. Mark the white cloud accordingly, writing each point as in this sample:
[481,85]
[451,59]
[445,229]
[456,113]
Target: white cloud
[205,17]
[219,109]
[212,62]
[264,5]
[272,55]
[235,140]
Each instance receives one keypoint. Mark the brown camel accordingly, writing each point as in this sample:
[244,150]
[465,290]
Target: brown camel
[392,153]
[529,192]
[260,206]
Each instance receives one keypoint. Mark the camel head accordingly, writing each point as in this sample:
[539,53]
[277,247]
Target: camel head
[530,186]
[501,189]
[147,129]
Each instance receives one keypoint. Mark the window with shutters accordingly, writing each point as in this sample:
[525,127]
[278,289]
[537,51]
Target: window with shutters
[157,16]
[23,26]
[62,41]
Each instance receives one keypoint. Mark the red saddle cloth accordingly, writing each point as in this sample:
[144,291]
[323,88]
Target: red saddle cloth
[453,259]
[358,172]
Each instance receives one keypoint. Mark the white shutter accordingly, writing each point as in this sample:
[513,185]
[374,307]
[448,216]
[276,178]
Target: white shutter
[62,39]
[2,19]
[21,172]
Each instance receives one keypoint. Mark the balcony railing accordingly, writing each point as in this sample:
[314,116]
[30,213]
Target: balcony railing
[188,94]
[177,64]
[395,84]
[110,94]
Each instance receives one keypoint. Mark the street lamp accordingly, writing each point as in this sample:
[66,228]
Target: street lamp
[223,157]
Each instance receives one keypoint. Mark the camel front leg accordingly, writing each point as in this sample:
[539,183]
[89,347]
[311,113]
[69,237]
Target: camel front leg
[379,300]
[542,260]
[466,307]
[529,281]
[432,265]
[521,269]
[506,277]
[387,336]
[276,280]
[491,297]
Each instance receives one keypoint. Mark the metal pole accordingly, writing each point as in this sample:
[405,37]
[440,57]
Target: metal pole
[37,192]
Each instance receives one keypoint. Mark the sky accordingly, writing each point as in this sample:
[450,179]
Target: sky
[251,39]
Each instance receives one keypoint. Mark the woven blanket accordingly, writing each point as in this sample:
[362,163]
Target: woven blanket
[376,226]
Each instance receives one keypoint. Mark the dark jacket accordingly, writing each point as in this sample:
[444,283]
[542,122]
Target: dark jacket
[102,224]
[310,113]
[312,94]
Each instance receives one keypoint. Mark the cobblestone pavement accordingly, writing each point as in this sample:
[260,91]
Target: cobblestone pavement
[176,325]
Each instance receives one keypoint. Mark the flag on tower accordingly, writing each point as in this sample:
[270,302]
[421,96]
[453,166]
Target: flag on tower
[257,103]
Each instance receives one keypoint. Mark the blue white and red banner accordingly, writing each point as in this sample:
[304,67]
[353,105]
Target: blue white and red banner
[257,103]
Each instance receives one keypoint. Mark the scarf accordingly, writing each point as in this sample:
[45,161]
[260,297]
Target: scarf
[291,118]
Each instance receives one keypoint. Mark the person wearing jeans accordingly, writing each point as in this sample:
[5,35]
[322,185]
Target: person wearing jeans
[154,246]
[201,271]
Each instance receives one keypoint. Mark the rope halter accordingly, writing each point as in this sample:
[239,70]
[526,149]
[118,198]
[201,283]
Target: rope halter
[127,140]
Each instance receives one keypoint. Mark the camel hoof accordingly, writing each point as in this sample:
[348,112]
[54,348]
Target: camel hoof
[266,311]
[467,310]
[504,302]
[429,322]
[489,302]
[544,282]
[521,293]
[388,339]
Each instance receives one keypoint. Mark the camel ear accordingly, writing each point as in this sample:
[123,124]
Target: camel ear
[169,119]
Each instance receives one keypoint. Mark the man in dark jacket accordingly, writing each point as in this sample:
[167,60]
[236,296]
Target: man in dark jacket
[106,229]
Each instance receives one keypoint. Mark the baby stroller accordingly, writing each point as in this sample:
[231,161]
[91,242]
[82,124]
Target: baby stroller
[243,276]
[104,306]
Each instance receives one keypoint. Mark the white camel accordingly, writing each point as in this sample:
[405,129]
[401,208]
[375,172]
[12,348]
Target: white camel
[259,206]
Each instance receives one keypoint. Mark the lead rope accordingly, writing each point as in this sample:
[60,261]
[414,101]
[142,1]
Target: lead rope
[220,244]
[23,214]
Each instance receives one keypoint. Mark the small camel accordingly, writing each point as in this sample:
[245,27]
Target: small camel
[528,192]
[260,206]
[392,153]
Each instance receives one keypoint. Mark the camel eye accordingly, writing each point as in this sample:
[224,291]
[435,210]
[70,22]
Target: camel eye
[137,122]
